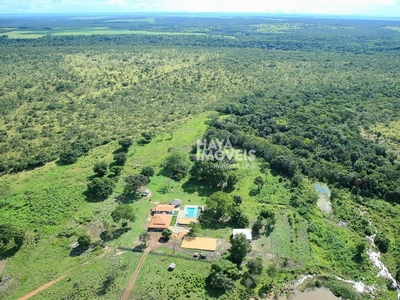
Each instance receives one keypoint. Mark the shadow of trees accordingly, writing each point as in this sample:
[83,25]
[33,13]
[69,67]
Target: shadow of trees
[112,234]
[192,186]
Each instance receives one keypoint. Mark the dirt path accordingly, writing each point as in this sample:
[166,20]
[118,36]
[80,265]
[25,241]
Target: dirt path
[43,287]
[152,244]
[128,290]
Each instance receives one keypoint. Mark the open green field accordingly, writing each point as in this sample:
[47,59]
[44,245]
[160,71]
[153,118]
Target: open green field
[37,33]
[186,281]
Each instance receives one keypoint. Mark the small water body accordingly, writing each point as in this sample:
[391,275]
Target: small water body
[317,294]
[322,188]
[324,197]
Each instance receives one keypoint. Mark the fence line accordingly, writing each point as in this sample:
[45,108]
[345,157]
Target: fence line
[130,249]
[179,256]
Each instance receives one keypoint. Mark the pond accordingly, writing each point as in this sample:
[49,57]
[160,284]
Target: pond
[324,197]
[322,188]
[317,294]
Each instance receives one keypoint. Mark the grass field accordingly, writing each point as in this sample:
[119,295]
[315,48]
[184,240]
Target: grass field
[187,281]
[89,281]
[36,33]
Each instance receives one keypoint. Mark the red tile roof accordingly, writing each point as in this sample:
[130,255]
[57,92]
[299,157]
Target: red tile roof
[160,221]
[164,207]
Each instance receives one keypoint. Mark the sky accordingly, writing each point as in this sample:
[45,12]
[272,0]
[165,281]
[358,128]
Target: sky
[390,8]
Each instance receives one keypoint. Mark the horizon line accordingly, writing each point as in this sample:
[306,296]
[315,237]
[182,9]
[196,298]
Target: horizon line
[277,14]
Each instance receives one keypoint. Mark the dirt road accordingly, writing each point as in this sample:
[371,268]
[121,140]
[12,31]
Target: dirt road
[43,287]
[152,244]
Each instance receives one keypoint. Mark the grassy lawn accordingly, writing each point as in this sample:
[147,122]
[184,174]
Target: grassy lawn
[186,281]
[89,281]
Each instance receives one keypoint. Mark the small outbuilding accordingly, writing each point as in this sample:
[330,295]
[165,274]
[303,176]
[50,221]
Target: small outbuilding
[176,203]
[171,267]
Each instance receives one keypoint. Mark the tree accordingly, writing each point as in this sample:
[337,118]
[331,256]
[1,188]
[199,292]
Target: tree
[259,182]
[222,281]
[100,168]
[116,170]
[255,266]
[239,219]
[222,275]
[84,241]
[123,212]
[144,237]
[147,136]
[125,142]
[69,156]
[177,164]
[147,171]
[360,249]
[238,199]
[216,173]
[220,204]
[194,227]
[101,187]
[120,158]
[239,249]
[11,238]
[382,242]
[133,182]
[256,228]
[166,233]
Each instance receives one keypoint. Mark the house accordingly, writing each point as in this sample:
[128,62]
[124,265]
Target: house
[171,267]
[246,232]
[176,203]
[163,208]
[146,192]
[160,221]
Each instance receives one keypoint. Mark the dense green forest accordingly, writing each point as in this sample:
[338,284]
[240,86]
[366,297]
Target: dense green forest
[314,98]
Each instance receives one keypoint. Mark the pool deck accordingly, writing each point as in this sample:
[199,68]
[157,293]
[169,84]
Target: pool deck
[182,215]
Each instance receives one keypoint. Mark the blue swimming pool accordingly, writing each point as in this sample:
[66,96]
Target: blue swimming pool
[191,212]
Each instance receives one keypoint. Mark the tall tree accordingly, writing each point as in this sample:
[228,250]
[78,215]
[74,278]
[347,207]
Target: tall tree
[177,164]
[101,187]
[84,241]
[133,182]
[239,249]
[220,204]
[123,212]
[100,168]
[125,142]
[144,237]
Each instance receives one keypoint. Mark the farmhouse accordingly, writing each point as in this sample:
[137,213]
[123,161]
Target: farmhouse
[246,232]
[160,221]
[163,209]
